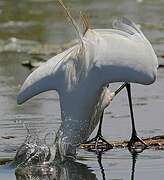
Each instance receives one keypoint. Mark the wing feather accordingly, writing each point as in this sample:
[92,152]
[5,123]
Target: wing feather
[48,76]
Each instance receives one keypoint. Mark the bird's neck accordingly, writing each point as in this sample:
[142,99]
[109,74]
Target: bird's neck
[80,111]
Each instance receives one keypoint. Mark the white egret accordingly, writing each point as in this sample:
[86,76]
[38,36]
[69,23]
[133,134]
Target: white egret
[81,74]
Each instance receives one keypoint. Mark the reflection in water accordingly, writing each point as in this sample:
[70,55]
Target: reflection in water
[68,170]
[99,159]
[134,157]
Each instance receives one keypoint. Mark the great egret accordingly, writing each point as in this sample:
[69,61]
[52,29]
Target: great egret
[81,74]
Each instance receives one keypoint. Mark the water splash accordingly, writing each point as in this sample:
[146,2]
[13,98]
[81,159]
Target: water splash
[34,150]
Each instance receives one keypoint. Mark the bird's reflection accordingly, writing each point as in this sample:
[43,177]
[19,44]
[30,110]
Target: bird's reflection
[99,159]
[134,158]
[68,170]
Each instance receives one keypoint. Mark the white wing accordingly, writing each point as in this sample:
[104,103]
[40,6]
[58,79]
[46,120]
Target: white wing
[48,76]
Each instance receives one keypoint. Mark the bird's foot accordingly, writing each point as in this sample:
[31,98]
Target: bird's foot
[98,143]
[134,147]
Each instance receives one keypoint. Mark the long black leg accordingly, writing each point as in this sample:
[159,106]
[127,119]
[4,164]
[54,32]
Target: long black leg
[120,88]
[99,138]
[134,137]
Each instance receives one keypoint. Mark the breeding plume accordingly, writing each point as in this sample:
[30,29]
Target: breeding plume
[82,73]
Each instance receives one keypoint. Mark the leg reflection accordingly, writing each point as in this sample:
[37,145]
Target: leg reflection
[134,157]
[99,158]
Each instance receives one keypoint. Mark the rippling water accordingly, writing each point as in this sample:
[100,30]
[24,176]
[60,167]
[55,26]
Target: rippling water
[42,22]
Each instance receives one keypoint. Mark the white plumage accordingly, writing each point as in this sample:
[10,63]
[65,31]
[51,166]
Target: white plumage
[80,76]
